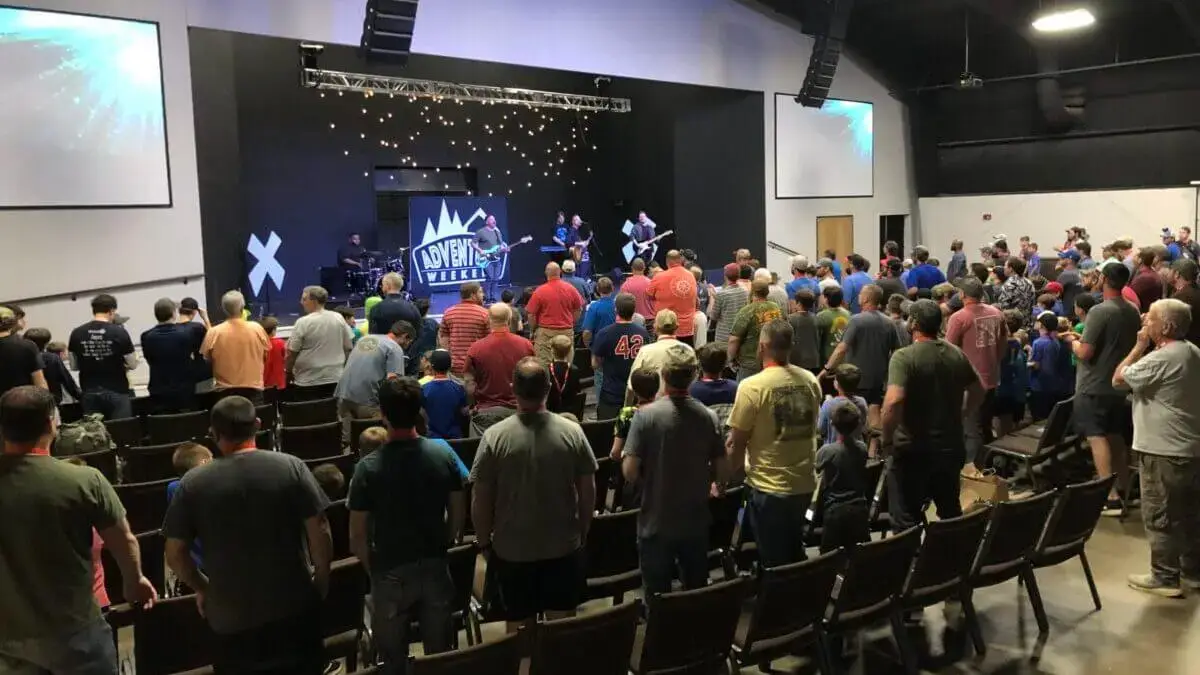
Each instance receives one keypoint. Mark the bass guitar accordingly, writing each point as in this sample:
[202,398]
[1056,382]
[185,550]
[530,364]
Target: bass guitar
[641,246]
[488,256]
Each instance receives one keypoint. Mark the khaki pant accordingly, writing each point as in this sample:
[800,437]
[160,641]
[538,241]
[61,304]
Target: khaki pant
[349,410]
[541,343]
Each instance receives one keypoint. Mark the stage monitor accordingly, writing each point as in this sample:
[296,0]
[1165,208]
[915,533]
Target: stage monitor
[824,152]
[82,121]
[441,230]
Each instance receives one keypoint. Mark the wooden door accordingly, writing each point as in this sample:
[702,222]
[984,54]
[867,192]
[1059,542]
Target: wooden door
[835,233]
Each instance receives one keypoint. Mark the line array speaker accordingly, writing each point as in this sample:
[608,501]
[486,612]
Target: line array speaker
[831,20]
[388,30]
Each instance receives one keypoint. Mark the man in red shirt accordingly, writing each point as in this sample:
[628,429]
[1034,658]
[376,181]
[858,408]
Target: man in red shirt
[553,310]
[637,285]
[1147,284]
[980,331]
[490,363]
[675,289]
[463,325]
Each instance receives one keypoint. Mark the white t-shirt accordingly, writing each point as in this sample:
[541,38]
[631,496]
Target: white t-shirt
[321,341]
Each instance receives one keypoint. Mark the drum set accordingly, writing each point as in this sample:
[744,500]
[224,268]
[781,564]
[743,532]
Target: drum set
[367,279]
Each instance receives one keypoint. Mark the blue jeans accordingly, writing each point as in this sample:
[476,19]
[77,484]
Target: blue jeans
[658,556]
[422,590]
[778,522]
[89,650]
[491,284]
[113,405]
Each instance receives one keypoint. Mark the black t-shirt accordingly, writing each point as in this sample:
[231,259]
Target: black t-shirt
[891,286]
[168,349]
[19,360]
[806,340]
[391,309]
[349,251]
[564,386]
[249,509]
[99,348]
[201,370]
[843,469]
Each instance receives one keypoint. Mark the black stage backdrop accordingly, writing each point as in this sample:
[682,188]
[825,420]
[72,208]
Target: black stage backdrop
[273,156]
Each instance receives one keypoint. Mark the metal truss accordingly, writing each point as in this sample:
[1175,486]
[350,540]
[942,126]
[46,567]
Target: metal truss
[332,80]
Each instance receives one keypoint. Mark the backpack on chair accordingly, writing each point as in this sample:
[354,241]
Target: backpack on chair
[79,438]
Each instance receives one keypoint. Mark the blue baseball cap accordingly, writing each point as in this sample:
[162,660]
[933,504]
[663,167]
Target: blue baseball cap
[1070,253]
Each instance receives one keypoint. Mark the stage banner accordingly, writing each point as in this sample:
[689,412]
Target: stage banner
[441,230]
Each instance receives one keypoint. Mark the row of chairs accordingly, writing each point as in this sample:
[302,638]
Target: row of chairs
[144,406]
[189,426]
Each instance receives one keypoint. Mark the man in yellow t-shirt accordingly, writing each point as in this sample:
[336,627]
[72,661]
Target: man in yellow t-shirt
[774,434]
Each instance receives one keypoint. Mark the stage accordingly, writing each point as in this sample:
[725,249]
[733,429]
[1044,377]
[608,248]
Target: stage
[288,315]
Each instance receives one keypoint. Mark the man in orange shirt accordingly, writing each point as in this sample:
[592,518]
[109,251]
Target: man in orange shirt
[237,350]
[553,310]
[675,289]
[463,325]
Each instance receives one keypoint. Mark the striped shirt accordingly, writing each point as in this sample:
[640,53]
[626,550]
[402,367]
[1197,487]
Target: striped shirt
[464,324]
[728,301]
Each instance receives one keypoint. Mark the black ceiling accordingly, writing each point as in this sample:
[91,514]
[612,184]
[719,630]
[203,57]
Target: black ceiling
[916,43]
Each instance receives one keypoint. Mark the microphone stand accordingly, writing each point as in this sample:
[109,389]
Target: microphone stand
[594,239]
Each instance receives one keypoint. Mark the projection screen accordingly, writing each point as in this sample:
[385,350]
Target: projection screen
[823,152]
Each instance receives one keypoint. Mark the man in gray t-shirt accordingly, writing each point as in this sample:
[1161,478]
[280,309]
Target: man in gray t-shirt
[488,238]
[374,358]
[673,449]
[868,343]
[319,342]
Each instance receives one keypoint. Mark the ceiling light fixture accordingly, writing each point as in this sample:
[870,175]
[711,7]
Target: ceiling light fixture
[1058,22]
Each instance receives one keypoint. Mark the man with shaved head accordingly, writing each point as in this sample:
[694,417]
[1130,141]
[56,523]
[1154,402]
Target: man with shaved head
[490,362]
[553,310]
[534,492]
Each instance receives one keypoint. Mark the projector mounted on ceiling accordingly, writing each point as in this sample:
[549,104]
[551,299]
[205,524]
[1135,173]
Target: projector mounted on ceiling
[969,80]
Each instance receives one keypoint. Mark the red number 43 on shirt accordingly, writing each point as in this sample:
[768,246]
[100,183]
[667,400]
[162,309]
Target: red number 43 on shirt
[628,346]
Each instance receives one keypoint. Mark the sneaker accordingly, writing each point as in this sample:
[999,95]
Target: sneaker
[1113,509]
[1148,584]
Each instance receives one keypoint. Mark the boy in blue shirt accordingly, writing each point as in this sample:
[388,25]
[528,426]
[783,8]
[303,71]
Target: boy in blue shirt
[712,388]
[844,487]
[186,457]
[1014,376]
[1050,361]
[445,399]
[845,381]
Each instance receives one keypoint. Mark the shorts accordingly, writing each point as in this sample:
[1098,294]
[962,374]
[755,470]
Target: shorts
[1010,408]
[1101,415]
[872,396]
[526,589]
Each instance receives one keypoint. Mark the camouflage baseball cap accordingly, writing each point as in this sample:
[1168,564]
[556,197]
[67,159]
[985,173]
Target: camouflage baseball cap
[8,318]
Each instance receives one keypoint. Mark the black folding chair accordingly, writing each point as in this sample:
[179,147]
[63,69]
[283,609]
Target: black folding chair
[357,427]
[499,657]
[338,515]
[344,463]
[125,432]
[172,637]
[691,631]
[177,428]
[312,442]
[152,546]
[723,513]
[466,448]
[611,556]
[1071,523]
[268,416]
[308,413]
[145,504]
[342,611]
[1036,444]
[596,643]
[148,463]
[104,461]
[600,436]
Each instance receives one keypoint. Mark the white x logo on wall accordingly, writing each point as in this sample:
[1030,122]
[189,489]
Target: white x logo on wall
[267,265]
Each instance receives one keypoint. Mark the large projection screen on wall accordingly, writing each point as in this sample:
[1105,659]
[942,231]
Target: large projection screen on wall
[824,152]
[81,112]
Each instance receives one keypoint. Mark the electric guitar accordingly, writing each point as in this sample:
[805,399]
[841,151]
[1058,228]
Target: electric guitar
[643,245]
[578,249]
[488,256]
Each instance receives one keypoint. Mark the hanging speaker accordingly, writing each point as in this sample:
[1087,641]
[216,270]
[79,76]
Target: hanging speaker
[831,18]
[388,30]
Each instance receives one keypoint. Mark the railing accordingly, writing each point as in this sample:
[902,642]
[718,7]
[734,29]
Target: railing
[781,248]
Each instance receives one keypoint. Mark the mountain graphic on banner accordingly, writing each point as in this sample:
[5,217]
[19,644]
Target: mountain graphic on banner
[448,225]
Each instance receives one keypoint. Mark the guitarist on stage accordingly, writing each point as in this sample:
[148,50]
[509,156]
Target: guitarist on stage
[486,239]
[578,241]
[643,231]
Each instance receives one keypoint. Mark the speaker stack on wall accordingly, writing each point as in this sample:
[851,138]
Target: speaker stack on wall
[388,30]
[830,20]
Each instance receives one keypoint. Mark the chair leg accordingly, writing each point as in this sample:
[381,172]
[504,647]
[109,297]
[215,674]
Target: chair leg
[1035,599]
[907,654]
[1087,572]
[972,621]
[825,661]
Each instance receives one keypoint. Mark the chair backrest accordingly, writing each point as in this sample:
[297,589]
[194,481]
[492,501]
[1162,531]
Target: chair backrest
[1015,527]
[104,461]
[875,575]
[70,412]
[692,629]
[577,404]
[307,413]
[1076,513]
[342,609]
[465,448]
[145,504]
[152,546]
[141,405]
[268,416]
[947,553]
[356,429]
[265,439]
[338,515]
[177,428]
[724,510]
[312,442]
[171,637]
[793,597]
[461,561]
[147,462]
[596,643]
[344,463]
[612,544]
[606,473]
[126,431]
[583,361]
[502,657]
[600,436]
[1057,424]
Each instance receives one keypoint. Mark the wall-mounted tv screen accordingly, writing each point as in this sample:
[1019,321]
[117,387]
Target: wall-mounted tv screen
[82,122]
[824,152]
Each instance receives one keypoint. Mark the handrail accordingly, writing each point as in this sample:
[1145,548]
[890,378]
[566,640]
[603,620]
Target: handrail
[781,248]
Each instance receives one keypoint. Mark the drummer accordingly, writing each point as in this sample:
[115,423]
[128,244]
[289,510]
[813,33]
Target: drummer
[351,253]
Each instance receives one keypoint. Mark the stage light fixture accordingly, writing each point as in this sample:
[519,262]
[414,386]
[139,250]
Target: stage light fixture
[1064,20]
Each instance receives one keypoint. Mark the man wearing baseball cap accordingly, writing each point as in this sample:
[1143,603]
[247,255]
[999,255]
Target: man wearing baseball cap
[20,362]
